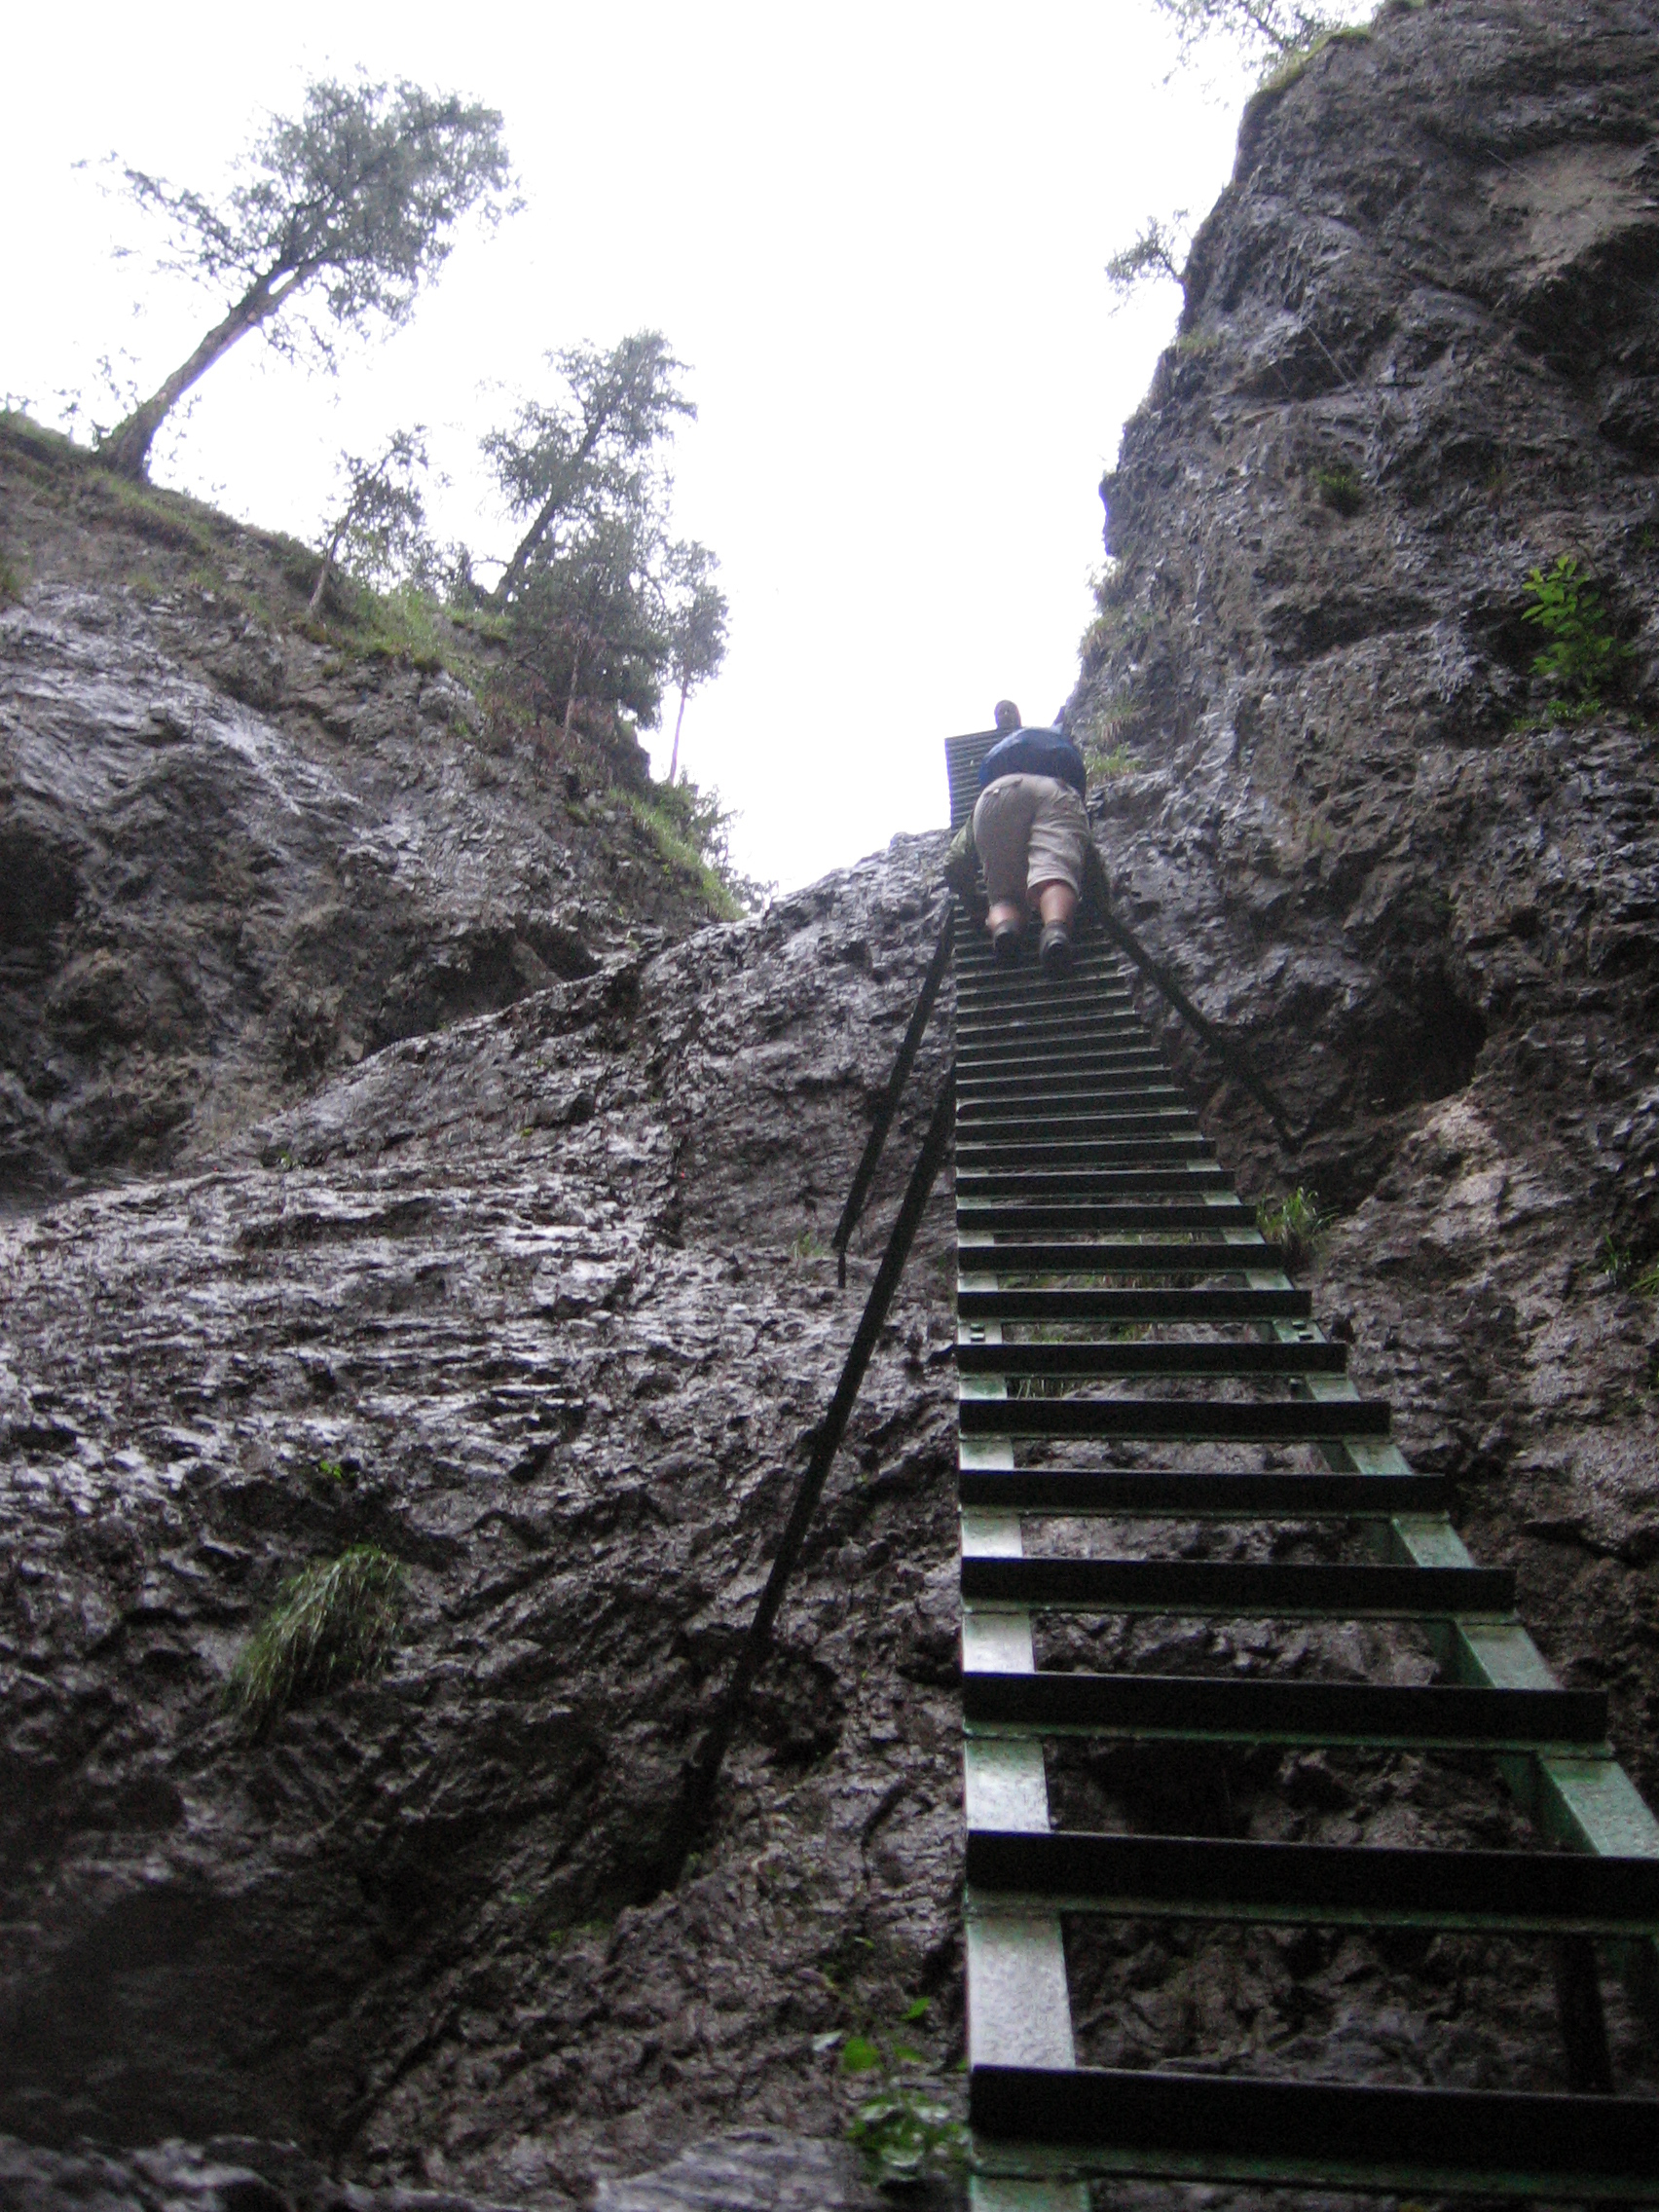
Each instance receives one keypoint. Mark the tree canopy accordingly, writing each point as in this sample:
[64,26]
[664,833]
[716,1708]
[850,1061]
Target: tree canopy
[356,198]
[603,603]
[592,449]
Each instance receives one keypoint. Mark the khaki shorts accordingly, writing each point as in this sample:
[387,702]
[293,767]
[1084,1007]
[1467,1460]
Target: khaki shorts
[1029,831]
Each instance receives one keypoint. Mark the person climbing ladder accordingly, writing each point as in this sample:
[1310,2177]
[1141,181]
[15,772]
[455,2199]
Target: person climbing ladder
[1031,834]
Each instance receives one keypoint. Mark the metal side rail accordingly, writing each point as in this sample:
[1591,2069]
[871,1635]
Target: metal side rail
[1133,1356]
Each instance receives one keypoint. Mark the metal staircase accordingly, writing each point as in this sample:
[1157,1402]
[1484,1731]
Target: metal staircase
[1114,1292]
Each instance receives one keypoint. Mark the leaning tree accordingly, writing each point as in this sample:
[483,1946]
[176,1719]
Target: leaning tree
[353,201]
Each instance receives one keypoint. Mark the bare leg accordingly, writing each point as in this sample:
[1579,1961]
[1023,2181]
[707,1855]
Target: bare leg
[1055,903]
[1005,911]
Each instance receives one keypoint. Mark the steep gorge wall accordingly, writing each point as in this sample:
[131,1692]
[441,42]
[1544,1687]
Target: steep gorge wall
[536,1301]
[1356,828]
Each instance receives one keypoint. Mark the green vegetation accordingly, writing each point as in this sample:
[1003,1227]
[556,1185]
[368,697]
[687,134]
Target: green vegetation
[1294,1224]
[905,2130]
[1620,1268]
[335,1622]
[1118,762]
[690,830]
[379,534]
[11,583]
[1339,487]
[809,1245]
[357,196]
[1154,255]
[1583,656]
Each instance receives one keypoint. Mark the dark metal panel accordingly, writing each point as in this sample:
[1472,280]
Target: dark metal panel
[1031,1220]
[1289,1421]
[1213,1878]
[1180,1493]
[1269,1710]
[1142,1306]
[1146,1356]
[1237,1587]
[1247,2128]
[1208,1257]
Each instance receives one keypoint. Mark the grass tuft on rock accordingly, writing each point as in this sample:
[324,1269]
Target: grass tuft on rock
[335,1622]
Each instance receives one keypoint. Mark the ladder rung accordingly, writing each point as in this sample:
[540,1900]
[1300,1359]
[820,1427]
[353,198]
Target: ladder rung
[1259,1709]
[1326,1885]
[1293,1421]
[1140,1306]
[1235,1589]
[1094,1188]
[1176,1494]
[1148,1356]
[1031,1220]
[1246,2128]
[1211,1257]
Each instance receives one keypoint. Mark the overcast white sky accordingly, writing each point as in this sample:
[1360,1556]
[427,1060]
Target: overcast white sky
[875,233]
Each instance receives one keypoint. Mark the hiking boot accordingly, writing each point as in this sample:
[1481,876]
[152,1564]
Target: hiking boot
[1055,951]
[1006,940]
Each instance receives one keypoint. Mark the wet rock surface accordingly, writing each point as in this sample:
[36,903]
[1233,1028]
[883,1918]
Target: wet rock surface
[1414,325]
[538,1306]
[528,1289]
[236,853]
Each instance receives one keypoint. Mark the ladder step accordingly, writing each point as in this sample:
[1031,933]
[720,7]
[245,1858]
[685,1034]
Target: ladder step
[976,1220]
[989,1149]
[1238,1588]
[1324,1885]
[1210,1257]
[1126,1152]
[1146,1306]
[1094,1188]
[1239,2127]
[1026,1087]
[1151,1357]
[1262,1709]
[1113,1094]
[1176,1494]
[1295,1420]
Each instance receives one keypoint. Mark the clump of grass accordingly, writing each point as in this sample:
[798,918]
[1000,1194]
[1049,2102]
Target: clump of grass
[1620,1268]
[680,854]
[808,1245]
[335,1622]
[1339,489]
[1293,1223]
[11,583]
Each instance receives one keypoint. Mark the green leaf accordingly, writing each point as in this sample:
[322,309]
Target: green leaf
[859,2056]
[916,2010]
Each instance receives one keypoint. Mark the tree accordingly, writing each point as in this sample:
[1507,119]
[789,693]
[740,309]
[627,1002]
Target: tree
[1157,252]
[379,534]
[581,454]
[696,629]
[358,196]
[1274,29]
[589,624]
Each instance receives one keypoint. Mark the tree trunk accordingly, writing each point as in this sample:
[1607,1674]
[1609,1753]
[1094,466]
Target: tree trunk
[127,449]
[571,695]
[559,496]
[674,755]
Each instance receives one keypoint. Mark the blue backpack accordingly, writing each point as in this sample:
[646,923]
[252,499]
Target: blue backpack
[1035,752]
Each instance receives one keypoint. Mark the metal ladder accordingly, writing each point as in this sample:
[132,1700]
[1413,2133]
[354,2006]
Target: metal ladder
[1087,1193]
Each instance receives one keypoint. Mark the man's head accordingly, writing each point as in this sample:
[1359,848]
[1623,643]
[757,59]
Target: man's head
[1007,717]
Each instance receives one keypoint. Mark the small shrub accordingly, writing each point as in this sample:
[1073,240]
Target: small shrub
[335,1622]
[905,2131]
[1339,489]
[1583,654]
[808,1245]
[1120,761]
[1294,1224]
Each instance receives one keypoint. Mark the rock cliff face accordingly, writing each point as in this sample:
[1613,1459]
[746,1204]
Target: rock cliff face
[1356,826]
[536,1307]
[394,1197]
[238,851]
